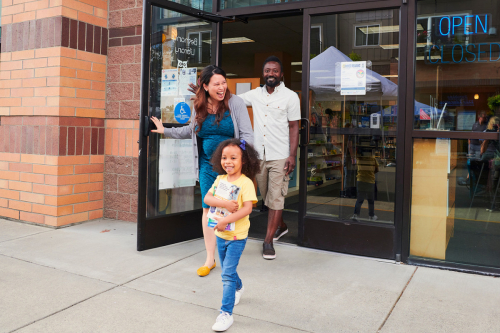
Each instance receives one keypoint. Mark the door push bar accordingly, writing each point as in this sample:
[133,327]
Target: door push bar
[305,126]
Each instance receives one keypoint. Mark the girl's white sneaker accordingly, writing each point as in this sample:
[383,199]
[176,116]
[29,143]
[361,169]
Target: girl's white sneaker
[223,322]
[238,294]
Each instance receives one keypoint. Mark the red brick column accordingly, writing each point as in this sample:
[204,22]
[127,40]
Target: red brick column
[52,105]
[122,109]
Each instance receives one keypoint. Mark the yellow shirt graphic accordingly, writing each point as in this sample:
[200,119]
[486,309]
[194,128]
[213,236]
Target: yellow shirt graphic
[247,193]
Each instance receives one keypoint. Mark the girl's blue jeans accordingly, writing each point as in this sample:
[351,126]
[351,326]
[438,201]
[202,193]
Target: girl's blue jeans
[229,255]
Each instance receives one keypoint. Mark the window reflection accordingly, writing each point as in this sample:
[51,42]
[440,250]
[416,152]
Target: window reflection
[457,54]
[459,219]
[353,116]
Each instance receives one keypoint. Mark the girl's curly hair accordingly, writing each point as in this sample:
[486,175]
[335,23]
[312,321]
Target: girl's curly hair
[250,158]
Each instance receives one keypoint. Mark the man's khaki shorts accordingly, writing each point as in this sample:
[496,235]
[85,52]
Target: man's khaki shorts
[273,183]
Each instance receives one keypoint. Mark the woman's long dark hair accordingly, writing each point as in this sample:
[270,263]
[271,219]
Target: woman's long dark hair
[201,101]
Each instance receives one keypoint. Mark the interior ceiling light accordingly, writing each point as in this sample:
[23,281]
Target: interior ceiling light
[390,46]
[379,30]
[235,40]
[396,46]
[299,72]
[297,63]
[231,74]
[392,75]
[434,57]
[193,24]
[476,96]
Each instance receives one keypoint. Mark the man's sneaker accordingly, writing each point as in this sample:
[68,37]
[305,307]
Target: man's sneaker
[373,218]
[223,322]
[354,217]
[280,232]
[268,251]
[238,294]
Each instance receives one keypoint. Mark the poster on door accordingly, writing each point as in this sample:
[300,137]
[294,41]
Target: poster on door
[176,165]
[186,76]
[169,79]
[353,78]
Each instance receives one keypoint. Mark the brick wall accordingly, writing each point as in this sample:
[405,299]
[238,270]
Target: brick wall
[51,169]
[121,169]
[122,109]
[52,105]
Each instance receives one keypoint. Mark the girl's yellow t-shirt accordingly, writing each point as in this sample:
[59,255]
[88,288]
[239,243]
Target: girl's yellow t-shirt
[247,193]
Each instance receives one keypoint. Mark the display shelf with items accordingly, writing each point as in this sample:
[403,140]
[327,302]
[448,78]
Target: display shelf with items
[339,130]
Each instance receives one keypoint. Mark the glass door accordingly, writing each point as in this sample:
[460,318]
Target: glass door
[350,162]
[177,45]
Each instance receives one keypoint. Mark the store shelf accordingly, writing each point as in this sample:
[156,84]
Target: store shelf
[327,168]
[324,155]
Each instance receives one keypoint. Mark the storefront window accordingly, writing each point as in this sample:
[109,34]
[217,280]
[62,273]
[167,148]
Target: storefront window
[353,115]
[455,214]
[181,46]
[457,58]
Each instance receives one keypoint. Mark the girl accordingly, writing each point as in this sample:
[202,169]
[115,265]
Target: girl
[237,163]
[219,115]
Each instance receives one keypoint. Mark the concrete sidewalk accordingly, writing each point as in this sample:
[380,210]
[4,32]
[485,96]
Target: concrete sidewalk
[90,278]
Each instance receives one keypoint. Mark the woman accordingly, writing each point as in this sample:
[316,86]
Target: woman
[218,116]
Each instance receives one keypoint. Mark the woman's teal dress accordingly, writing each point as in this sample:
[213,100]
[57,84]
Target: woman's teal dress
[211,135]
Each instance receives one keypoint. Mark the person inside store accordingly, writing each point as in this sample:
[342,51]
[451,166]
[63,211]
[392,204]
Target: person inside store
[490,155]
[482,166]
[218,116]
[276,113]
[367,167]
[475,144]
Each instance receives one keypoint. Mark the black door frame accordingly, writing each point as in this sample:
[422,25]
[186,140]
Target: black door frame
[156,231]
[177,227]
[360,238]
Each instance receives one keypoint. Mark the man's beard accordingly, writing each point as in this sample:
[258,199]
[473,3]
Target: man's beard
[272,84]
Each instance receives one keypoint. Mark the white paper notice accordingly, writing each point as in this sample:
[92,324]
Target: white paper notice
[353,78]
[186,76]
[169,82]
[176,168]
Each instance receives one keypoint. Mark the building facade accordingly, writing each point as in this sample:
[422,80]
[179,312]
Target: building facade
[410,86]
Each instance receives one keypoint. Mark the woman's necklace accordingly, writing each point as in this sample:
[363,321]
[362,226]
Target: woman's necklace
[210,108]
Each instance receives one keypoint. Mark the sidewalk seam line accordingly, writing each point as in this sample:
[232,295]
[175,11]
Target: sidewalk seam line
[58,311]
[397,301]
[86,299]
[208,307]
[37,233]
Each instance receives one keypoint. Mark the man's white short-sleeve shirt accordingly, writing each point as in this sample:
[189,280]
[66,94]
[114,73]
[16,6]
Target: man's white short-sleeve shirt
[271,114]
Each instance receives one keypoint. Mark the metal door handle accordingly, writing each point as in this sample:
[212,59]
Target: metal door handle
[305,125]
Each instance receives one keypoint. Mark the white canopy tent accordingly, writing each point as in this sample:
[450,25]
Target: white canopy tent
[325,79]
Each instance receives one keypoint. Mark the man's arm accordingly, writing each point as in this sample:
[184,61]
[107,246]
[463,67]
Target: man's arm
[293,128]
[247,97]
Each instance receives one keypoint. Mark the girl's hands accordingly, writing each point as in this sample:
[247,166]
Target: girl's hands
[232,206]
[221,225]
[159,125]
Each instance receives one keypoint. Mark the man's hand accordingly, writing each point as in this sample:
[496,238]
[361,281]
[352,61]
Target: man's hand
[232,206]
[289,165]
[159,125]
[192,88]
[221,225]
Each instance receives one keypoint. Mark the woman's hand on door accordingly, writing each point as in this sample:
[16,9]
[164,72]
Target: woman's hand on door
[159,125]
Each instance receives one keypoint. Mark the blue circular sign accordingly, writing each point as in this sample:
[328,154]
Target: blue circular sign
[182,113]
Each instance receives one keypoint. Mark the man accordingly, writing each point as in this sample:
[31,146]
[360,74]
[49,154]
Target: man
[276,113]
